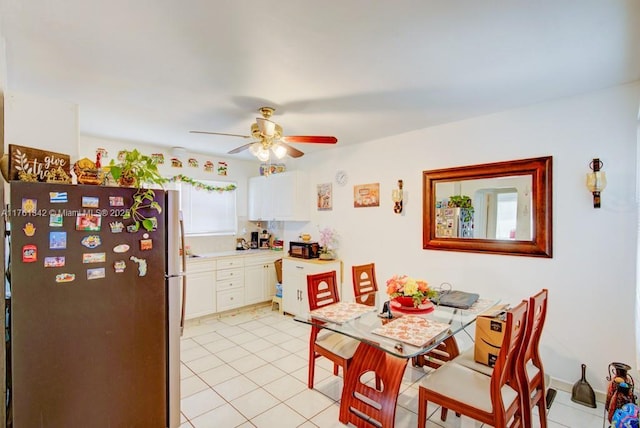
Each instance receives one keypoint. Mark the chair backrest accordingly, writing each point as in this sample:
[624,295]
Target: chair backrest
[365,285]
[504,369]
[322,290]
[536,316]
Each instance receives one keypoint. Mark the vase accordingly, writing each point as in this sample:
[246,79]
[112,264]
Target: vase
[326,256]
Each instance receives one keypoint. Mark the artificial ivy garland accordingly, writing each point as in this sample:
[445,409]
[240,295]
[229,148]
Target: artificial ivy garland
[201,186]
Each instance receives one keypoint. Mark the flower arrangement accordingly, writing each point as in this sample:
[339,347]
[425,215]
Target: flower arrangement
[403,286]
[328,240]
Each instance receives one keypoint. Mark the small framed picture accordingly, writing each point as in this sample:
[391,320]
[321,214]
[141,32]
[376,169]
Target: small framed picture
[91,222]
[325,197]
[366,195]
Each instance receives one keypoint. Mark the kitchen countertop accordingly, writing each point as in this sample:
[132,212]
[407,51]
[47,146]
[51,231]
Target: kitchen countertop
[232,253]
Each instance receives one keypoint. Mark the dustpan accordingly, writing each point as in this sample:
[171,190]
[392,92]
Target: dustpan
[582,393]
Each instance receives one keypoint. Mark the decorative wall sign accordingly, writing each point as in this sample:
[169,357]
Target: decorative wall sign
[29,229]
[158,158]
[30,164]
[325,202]
[95,273]
[54,261]
[222,168]
[57,240]
[65,277]
[366,195]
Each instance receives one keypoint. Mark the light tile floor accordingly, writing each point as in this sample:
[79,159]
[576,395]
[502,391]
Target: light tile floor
[249,370]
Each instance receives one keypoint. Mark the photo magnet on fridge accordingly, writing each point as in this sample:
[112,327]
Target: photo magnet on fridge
[57,240]
[95,273]
[54,261]
[90,202]
[29,229]
[57,197]
[29,205]
[55,220]
[29,253]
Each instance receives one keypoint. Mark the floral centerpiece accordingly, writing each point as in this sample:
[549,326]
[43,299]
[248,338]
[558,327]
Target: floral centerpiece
[409,291]
[328,243]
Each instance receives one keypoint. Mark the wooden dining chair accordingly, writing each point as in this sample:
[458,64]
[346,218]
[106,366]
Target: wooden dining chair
[494,400]
[322,290]
[529,369]
[365,285]
[363,405]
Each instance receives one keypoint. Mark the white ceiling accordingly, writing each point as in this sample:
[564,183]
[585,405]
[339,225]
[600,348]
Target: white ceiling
[151,70]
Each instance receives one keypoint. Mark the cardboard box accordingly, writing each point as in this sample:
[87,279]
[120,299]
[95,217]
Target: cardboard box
[489,335]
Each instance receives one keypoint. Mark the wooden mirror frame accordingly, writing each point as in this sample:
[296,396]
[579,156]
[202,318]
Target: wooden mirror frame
[540,171]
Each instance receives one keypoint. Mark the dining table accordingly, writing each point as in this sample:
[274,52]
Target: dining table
[388,340]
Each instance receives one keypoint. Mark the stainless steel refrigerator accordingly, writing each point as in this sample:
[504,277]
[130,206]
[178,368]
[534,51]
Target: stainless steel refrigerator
[94,308]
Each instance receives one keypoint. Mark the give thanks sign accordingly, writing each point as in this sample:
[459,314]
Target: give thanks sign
[29,164]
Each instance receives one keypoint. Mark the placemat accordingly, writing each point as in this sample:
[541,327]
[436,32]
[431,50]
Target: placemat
[341,312]
[411,329]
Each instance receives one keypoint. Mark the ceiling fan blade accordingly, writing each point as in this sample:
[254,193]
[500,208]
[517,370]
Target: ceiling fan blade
[220,133]
[309,139]
[292,151]
[239,149]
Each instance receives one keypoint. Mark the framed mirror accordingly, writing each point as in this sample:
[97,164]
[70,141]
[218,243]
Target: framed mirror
[499,208]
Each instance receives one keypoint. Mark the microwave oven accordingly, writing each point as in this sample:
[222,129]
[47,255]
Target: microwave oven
[304,250]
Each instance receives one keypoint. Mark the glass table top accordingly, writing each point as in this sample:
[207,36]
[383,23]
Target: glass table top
[406,334]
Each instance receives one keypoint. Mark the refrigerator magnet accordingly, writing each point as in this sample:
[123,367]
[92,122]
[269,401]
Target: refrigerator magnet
[91,241]
[29,205]
[55,220]
[119,266]
[57,197]
[146,244]
[90,202]
[29,229]
[142,265]
[121,248]
[89,222]
[95,273]
[65,277]
[116,226]
[57,240]
[29,253]
[116,201]
[94,258]
[54,261]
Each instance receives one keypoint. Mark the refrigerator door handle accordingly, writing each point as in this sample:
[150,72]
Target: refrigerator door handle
[183,274]
[176,275]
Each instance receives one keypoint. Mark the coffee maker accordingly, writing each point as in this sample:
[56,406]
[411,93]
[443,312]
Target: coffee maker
[254,240]
[265,240]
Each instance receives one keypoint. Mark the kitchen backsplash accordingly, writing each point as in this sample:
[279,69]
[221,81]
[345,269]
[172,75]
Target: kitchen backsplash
[212,244]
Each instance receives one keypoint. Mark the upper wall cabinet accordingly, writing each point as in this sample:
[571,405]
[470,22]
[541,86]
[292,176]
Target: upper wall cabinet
[283,196]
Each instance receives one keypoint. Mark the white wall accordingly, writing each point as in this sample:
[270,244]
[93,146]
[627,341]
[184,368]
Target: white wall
[592,275]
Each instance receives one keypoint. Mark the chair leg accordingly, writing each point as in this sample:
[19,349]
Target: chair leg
[312,368]
[422,408]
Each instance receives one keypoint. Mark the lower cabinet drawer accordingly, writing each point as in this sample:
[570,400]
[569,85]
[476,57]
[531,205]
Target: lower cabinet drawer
[229,273]
[230,299]
[229,284]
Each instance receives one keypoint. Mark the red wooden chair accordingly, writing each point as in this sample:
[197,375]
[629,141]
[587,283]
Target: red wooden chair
[365,285]
[529,369]
[322,291]
[494,400]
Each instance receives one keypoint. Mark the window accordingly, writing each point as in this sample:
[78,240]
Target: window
[208,213]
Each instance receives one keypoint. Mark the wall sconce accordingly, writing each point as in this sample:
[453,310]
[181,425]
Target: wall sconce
[596,181]
[396,195]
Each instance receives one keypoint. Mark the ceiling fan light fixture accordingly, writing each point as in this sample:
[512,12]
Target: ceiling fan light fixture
[279,150]
[262,154]
[267,128]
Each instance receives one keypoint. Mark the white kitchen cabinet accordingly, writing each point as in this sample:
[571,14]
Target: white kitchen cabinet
[294,281]
[229,283]
[201,288]
[283,196]
[259,277]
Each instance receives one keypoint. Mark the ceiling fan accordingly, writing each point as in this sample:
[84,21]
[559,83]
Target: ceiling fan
[268,136]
